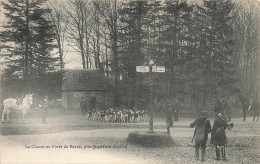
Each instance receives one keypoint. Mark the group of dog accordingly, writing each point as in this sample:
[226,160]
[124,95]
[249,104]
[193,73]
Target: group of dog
[116,115]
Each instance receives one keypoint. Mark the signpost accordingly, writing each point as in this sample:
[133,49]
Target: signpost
[144,69]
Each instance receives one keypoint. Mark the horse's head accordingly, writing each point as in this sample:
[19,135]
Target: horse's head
[30,98]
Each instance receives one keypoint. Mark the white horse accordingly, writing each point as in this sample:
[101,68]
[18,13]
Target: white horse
[12,103]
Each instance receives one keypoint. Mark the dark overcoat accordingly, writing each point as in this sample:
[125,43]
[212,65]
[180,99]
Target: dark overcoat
[199,122]
[218,134]
[169,115]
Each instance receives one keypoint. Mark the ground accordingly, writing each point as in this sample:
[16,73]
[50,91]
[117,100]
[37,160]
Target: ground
[99,142]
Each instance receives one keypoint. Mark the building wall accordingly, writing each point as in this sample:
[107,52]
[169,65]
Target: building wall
[71,99]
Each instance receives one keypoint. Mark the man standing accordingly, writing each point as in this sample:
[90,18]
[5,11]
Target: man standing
[244,105]
[219,106]
[176,110]
[82,105]
[218,135]
[227,109]
[202,129]
[251,101]
[169,115]
[93,102]
[44,106]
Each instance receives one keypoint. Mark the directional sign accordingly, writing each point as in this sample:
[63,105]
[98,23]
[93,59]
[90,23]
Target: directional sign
[158,69]
[154,68]
[142,69]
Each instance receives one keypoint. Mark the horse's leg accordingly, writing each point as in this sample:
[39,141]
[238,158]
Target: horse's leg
[254,115]
[257,114]
[7,115]
[24,114]
[3,115]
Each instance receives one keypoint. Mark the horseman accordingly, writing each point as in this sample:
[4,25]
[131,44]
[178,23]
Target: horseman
[11,103]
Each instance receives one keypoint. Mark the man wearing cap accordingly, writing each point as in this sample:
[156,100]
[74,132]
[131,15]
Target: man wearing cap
[200,136]
[218,135]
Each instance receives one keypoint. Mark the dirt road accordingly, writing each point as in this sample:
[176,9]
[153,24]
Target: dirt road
[71,139]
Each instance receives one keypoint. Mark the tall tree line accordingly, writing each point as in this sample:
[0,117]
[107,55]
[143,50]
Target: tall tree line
[27,43]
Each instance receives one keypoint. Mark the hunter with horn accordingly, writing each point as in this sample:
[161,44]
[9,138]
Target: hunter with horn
[218,135]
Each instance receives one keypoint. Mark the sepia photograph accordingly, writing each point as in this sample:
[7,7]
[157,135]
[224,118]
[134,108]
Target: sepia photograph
[129,81]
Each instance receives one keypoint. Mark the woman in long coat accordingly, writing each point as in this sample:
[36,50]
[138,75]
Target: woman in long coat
[218,135]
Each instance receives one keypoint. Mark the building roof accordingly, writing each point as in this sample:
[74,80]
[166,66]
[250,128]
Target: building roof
[84,80]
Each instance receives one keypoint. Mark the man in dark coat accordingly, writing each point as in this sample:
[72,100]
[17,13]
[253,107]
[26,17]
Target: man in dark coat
[202,129]
[44,107]
[176,108]
[219,106]
[82,105]
[245,104]
[218,135]
[227,109]
[169,121]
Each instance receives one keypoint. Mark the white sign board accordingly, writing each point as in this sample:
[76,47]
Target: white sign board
[154,68]
[158,69]
[142,69]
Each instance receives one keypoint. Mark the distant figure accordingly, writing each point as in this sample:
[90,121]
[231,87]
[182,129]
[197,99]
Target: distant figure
[227,110]
[169,122]
[136,114]
[218,135]
[245,104]
[254,106]
[176,110]
[82,105]
[44,107]
[93,102]
[202,128]
[219,106]
[251,101]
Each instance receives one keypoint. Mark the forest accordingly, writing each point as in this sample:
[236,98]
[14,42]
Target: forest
[209,48]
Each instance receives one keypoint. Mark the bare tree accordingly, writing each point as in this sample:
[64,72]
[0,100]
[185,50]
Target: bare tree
[246,26]
[79,12]
[60,21]
[109,11]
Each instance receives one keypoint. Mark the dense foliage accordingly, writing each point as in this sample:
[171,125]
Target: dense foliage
[209,48]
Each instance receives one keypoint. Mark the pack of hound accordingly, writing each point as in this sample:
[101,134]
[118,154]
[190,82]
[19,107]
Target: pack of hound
[117,115]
